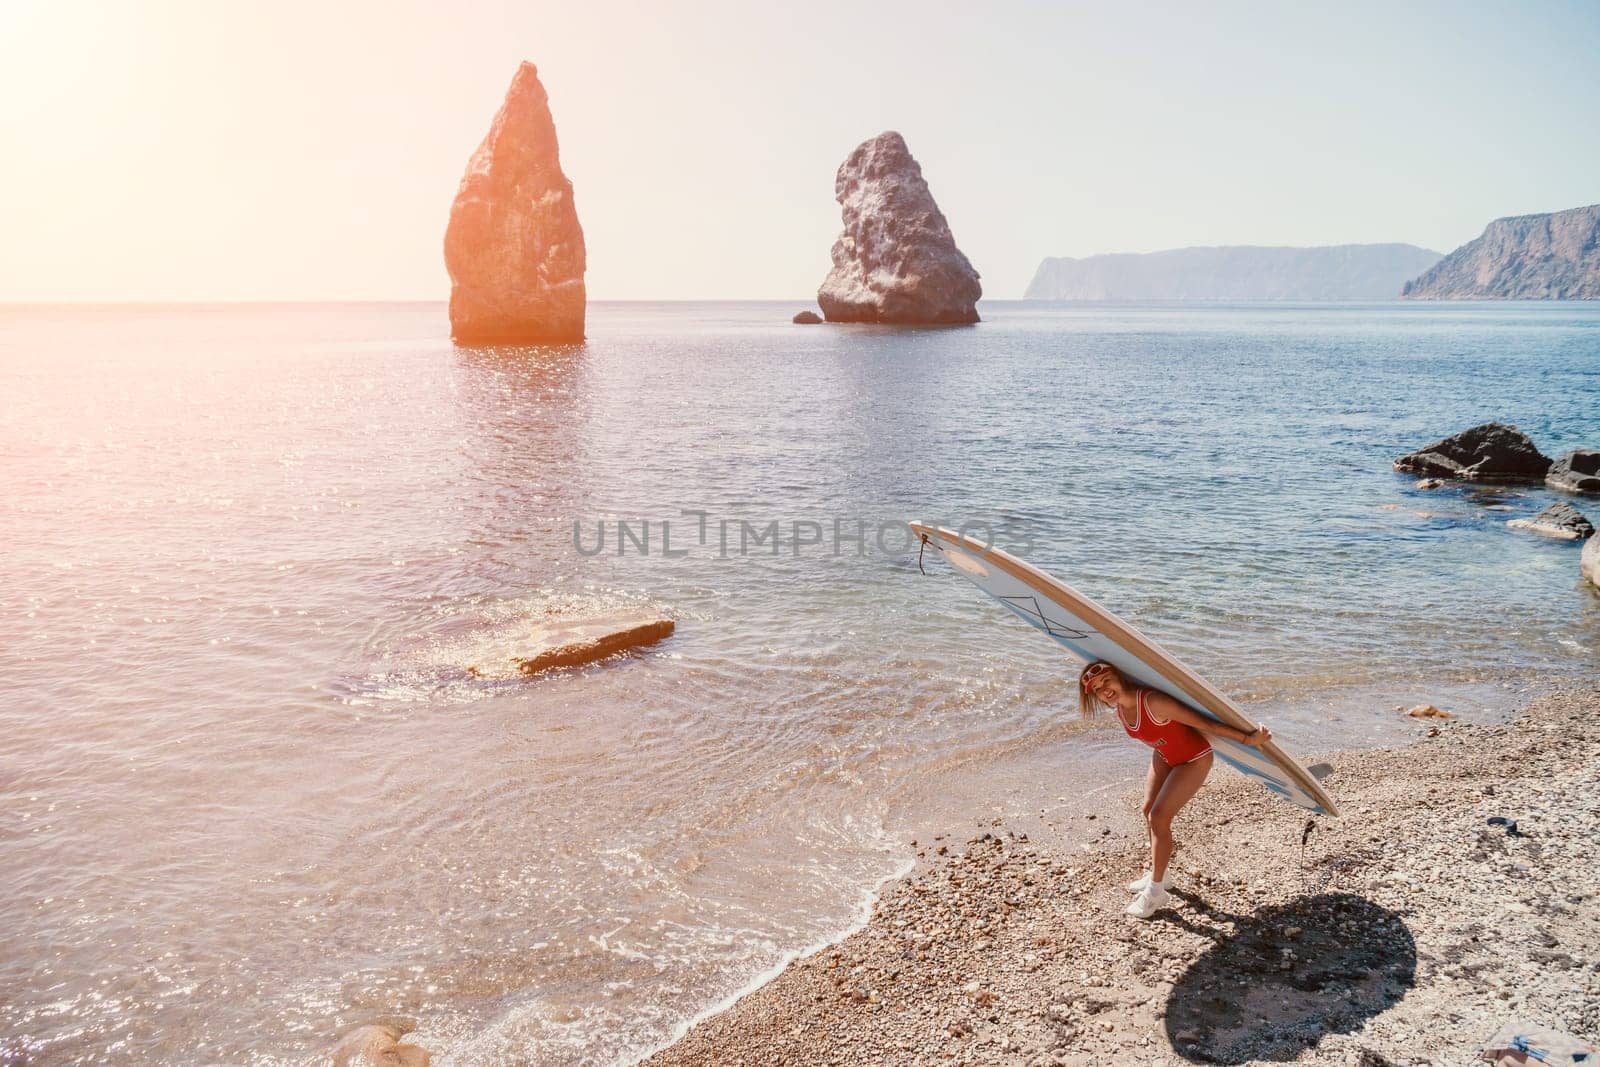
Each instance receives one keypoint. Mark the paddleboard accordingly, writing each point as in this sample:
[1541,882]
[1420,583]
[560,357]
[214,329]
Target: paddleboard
[1090,632]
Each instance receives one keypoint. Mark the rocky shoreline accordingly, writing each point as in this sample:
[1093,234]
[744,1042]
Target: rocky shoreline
[1406,932]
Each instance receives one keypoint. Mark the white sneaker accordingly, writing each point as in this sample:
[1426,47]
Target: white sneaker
[1141,883]
[1150,900]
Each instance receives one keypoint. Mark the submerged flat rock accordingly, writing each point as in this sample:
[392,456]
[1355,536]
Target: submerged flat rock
[576,642]
[1559,520]
[377,1045]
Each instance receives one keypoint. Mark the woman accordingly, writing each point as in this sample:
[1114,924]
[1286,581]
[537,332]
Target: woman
[1180,759]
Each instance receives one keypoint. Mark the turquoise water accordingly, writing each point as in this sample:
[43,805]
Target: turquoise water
[254,798]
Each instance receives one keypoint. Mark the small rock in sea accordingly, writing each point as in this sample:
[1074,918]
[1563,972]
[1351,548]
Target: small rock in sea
[1589,562]
[1492,450]
[1428,711]
[1576,472]
[807,318]
[1560,520]
[379,1045]
[1429,483]
[575,642]
[896,261]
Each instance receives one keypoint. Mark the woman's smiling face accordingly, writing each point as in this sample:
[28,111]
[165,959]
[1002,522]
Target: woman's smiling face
[1109,688]
[1104,682]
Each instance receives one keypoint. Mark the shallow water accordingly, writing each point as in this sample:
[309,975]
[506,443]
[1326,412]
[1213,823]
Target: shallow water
[252,797]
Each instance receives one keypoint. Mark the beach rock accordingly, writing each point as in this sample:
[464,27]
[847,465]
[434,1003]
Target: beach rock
[377,1045]
[1428,711]
[514,248]
[1492,450]
[1560,520]
[1589,562]
[1576,472]
[807,318]
[575,642]
[896,261]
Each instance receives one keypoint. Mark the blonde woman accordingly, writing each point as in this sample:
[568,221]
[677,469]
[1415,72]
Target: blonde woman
[1180,759]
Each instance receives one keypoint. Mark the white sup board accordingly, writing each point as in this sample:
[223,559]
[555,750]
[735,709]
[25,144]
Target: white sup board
[1090,632]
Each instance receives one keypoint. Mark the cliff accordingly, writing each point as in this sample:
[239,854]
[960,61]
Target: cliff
[1528,257]
[1235,272]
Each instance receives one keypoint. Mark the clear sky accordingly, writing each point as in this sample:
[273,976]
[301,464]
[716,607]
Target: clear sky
[228,149]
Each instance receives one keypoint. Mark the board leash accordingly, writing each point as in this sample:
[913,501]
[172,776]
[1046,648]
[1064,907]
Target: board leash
[1305,838]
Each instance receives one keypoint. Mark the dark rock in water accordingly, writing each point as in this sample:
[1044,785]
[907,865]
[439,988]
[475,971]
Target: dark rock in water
[1589,562]
[1577,472]
[377,1045]
[1559,520]
[1528,257]
[808,318]
[896,261]
[1493,450]
[514,248]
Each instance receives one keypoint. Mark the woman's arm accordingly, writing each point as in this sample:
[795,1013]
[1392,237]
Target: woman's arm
[1164,707]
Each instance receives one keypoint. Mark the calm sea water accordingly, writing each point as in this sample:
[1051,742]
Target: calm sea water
[252,798]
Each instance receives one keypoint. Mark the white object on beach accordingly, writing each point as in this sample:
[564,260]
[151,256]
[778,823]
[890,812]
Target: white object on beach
[1151,899]
[1141,883]
[1090,632]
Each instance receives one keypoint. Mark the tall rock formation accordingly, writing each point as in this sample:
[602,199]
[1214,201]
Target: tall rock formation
[1234,272]
[1528,257]
[896,261]
[514,248]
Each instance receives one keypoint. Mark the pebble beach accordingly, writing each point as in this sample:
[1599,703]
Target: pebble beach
[1404,932]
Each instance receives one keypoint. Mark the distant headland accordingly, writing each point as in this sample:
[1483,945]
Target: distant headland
[1555,256]
[1235,272]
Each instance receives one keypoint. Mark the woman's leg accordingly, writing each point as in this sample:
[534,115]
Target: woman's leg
[1181,784]
[1152,788]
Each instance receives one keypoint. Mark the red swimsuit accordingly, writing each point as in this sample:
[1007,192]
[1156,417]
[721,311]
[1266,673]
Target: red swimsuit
[1174,742]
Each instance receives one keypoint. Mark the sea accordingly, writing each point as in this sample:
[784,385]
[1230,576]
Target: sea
[263,777]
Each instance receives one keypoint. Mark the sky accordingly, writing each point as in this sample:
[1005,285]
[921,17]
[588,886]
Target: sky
[234,150]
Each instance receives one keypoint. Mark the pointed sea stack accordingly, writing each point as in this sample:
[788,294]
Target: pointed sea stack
[896,261]
[514,248]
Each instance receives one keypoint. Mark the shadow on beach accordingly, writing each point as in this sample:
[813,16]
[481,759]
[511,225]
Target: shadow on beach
[1239,1002]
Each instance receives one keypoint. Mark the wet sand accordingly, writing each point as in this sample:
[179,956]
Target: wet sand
[1405,932]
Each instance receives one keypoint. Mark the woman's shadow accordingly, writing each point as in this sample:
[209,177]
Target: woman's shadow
[1238,1002]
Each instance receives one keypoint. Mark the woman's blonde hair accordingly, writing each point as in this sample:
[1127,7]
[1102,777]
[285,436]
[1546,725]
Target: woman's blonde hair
[1088,703]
